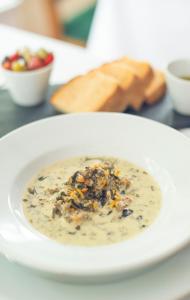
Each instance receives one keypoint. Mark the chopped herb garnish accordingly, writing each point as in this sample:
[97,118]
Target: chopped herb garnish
[32,191]
[41,178]
[89,189]
[56,211]
[143,226]
[77,205]
[53,191]
[139,218]
[109,233]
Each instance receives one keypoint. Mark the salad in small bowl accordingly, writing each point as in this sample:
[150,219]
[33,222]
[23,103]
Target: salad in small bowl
[27,75]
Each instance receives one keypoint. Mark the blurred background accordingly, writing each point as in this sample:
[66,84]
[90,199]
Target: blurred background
[68,20]
[142,29]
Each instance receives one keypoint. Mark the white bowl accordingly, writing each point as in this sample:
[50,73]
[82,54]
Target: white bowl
[161,150]
[179,88]
[28,88]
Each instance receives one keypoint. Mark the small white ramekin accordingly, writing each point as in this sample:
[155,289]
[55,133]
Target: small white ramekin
[179,88]
[28,88]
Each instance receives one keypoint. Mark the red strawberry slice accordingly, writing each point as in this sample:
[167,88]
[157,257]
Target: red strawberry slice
[14,57]
[48,59]
[35,63]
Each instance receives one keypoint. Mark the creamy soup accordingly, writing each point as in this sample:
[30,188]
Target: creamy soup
[91,201]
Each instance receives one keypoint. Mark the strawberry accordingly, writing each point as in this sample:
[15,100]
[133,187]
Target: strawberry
[48,59]
[14,57]
[34,63]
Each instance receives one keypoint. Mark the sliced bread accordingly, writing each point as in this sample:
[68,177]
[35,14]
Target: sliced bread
[156,88]
[91,92]
[141,69]
[128,81]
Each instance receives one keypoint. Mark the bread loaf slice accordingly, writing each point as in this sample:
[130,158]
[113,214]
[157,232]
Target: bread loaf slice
[128,81]
[91,92]
[156,88]
[141,69]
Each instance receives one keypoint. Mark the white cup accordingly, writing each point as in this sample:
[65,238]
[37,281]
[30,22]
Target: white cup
[179,88]
[28,88]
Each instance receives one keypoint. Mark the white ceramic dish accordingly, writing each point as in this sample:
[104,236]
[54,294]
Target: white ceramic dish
[161,150]
[179,88]
[186,131]
[30,87]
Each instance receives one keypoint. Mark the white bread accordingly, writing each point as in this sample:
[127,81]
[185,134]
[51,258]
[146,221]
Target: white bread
[91,92]
[111,87]
[141,69]
[156,88]
[128,81]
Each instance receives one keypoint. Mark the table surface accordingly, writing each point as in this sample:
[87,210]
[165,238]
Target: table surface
[13,116]
[169,280]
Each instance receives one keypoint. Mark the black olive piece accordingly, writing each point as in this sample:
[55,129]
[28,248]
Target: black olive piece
[127,212]
[103,198]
